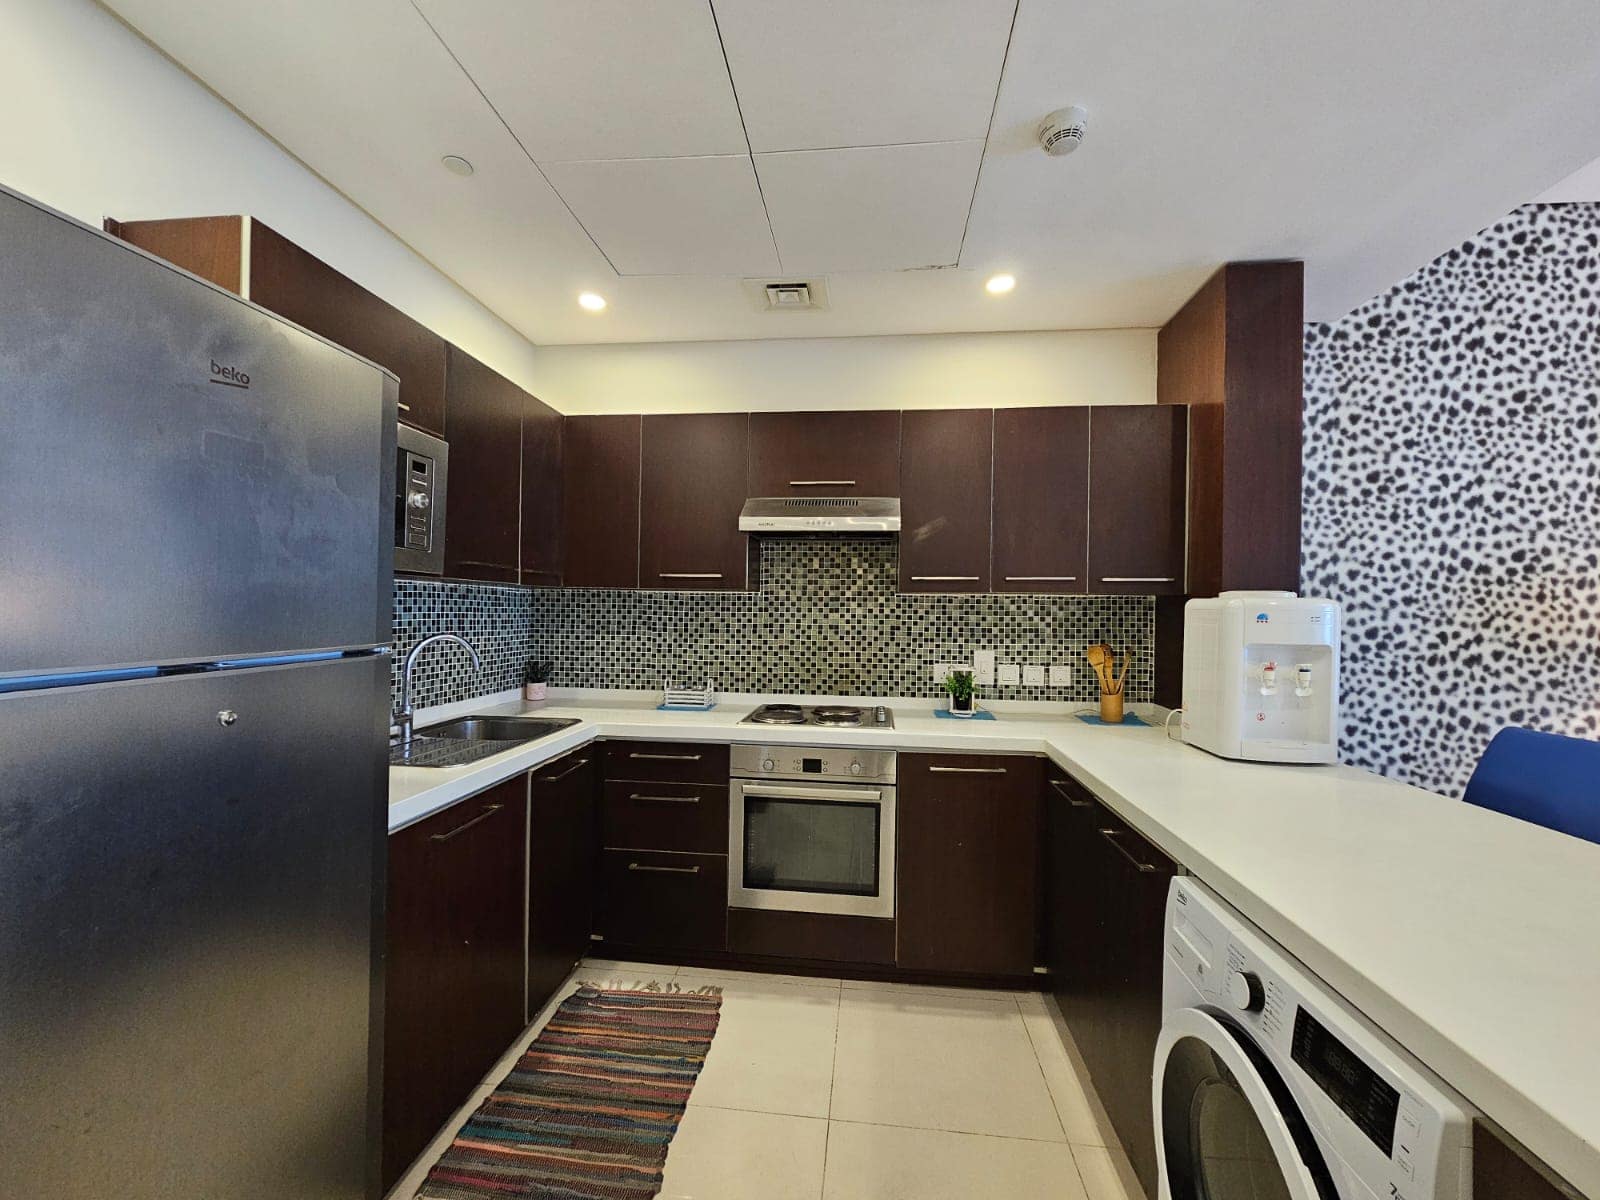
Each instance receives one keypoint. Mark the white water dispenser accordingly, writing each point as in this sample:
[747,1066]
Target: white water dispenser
[1261,677]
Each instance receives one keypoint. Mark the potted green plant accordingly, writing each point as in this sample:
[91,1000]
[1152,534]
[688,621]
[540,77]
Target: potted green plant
[959,684]
[534,681]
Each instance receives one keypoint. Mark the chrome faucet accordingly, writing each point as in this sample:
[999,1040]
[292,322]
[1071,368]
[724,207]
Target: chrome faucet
[403,716]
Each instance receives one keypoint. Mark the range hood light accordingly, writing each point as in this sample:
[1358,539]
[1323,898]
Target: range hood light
[820,514]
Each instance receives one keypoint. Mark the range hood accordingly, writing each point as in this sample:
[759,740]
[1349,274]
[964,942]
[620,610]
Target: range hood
[820,514]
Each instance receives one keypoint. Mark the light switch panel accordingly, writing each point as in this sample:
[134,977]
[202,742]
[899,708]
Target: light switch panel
[940,670]
[983,667]
[1060,676]
[1010,675]
[1033,675]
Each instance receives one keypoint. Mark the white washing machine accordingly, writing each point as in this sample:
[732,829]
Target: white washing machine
[1268,1086]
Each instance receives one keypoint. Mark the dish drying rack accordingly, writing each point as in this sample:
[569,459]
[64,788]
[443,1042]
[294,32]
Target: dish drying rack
[684,697]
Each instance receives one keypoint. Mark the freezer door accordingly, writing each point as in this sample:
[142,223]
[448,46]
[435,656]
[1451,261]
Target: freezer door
[186,477]
[188,922]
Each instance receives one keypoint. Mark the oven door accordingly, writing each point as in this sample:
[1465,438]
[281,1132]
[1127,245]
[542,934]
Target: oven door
[818,848]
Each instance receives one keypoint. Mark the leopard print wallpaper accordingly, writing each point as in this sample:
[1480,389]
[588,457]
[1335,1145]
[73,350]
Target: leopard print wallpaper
[1452,497]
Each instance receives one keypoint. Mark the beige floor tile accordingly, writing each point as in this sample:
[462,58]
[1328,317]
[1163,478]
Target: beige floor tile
[880,1162]
[720,1154]
[939,1062]
[1106,1173]
[632,972]
[919,989]
[1081,1116]
[773,1051]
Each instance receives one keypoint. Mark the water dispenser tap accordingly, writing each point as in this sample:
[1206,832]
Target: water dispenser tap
[1302,679]
[1269,679]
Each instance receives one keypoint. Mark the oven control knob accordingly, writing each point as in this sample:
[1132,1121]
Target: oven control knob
[1244,989]
[768,765]
[418,499]
[855,768]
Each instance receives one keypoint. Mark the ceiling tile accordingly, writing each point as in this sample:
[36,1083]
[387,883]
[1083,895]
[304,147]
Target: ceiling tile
[600,79]
[842,73]
[672,216]
[873,208]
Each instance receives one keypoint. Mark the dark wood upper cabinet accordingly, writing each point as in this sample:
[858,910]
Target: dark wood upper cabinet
[542,497]
[1138,465]
[300,286]
[966,828]
[484,429]
[600,472]
[825,454]
[1041,499]
[454,962]
[692,486]
[946,463]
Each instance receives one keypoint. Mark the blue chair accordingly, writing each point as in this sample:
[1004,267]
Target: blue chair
[1545,778]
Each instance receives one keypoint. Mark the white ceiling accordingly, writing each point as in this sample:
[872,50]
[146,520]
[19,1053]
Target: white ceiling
[658,152]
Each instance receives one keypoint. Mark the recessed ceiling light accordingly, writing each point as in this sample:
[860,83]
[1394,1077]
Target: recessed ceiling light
[457,165]
[999,285]
[591,301]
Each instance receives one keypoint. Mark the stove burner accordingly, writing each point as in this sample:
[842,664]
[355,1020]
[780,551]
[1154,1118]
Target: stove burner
[779,714]
[836,714]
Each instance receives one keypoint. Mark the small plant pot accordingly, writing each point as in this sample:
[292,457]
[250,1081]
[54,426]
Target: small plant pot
[533,693]
[1111,708]
[962,707]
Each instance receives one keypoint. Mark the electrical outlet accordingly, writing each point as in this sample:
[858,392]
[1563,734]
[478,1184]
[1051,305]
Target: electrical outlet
[940,670]
[983,667]
[1033,675]
[1010,675]
[1060,676]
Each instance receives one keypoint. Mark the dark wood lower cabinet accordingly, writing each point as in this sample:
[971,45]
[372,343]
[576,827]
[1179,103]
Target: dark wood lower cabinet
[967,829]
[1105,911]
[821,937]
[561,869]
[1503,1171]
[662,901]
[454,962]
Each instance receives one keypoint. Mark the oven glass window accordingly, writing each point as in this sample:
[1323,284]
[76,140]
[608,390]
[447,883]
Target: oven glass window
[824,846]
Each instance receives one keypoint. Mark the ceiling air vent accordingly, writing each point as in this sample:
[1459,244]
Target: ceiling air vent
[788,295]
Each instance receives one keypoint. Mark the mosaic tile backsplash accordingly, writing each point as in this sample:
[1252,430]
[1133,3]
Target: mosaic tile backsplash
[494,619]
[829,621]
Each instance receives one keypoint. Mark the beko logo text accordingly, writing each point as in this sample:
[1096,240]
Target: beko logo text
[228,376]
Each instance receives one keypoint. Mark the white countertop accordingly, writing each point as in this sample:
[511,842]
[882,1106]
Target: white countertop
[1471,938]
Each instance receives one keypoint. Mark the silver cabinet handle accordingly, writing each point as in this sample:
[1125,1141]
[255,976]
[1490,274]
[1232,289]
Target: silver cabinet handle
[466,825]
[402,407]
[1041,579]
[822,483]
[689,575]
[667,757]
[969,770]
[666,799]
[1137,579]
[664,870]
[946,578]
[1075,801]
[1110,835]
[582,762]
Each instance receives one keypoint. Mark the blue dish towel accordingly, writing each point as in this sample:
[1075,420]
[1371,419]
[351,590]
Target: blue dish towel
[686,707]
[983,714]
[1128,718]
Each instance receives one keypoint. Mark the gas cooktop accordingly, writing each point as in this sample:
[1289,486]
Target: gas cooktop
[835,716]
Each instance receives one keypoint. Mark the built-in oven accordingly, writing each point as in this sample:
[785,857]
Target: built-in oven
[811,829]
[420,475]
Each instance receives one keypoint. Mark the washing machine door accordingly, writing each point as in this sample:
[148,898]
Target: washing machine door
[1227,1127]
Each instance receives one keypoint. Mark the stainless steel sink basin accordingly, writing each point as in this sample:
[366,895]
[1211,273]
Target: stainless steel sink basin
[497,729]
[455,743]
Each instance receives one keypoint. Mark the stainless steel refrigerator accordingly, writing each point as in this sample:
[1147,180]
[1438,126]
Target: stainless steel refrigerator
[196,516]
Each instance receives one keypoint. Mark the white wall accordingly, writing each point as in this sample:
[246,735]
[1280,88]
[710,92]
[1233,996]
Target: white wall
[99,123]
[976,370]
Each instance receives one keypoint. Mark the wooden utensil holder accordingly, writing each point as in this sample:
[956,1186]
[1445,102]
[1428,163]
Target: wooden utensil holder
[1111,708]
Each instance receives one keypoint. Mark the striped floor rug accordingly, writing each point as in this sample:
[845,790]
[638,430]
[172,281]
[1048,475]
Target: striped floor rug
[588,1111]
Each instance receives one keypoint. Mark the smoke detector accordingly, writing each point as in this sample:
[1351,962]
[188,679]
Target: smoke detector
[1062,131]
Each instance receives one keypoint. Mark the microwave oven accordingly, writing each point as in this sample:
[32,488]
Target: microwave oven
[420,476]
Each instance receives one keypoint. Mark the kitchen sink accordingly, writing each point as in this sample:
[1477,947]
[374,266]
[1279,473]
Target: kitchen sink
[467,739]
[497,729]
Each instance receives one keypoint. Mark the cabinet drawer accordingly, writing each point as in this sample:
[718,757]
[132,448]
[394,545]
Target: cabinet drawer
[667,901]
[665,816]
[678,762]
